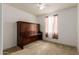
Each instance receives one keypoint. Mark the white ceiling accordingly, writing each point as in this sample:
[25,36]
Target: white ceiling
[50,7]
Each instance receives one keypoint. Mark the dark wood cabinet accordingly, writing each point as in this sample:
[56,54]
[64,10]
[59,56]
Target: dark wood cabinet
[27,33]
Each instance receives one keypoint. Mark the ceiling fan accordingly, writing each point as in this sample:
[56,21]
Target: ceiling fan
[41,6]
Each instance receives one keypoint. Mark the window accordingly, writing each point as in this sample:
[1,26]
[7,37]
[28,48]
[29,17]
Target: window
[51,26]
[55,27]
[46,26]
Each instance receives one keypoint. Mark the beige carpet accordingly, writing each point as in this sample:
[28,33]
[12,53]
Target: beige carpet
[46,48]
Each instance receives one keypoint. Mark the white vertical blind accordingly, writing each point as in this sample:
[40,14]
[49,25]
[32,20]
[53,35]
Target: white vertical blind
[50,24]
[55,25]
[46,24]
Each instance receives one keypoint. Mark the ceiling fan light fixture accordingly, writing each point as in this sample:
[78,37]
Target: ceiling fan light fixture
[41,6]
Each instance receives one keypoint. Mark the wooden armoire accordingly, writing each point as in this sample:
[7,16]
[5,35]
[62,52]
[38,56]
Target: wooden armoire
[27,32]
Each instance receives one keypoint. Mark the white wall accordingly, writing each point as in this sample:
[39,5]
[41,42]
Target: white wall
[10,16]
[0,29]
[67,26]
[78,28]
